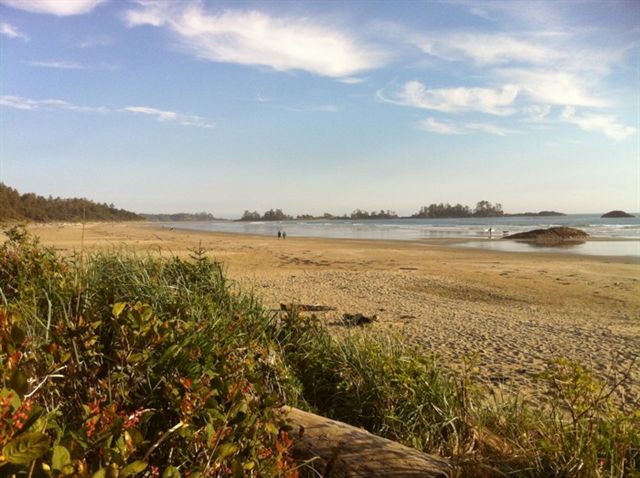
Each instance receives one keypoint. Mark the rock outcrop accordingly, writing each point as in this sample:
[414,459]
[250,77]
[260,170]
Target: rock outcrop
[617,213]
[553,234]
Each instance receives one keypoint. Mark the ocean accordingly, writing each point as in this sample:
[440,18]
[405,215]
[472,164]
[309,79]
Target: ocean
[615,236]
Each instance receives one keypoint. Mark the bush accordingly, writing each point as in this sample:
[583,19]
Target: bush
[135,365]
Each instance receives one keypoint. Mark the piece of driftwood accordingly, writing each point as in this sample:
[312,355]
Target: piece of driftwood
[339,450]
[306,307]
[358,319]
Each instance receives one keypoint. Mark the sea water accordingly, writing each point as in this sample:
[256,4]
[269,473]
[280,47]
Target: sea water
[615,236]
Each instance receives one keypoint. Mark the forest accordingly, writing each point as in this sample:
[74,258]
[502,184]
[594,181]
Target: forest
[31,207]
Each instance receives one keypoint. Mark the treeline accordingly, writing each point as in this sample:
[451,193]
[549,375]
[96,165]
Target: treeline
[31,207]
[279,215]
[482,209]
[178,217]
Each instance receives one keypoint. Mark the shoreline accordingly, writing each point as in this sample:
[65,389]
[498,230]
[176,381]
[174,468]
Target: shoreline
[509,312]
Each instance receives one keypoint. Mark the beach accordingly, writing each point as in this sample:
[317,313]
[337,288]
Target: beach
[502,314]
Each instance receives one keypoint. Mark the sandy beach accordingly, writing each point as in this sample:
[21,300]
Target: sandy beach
[508,312]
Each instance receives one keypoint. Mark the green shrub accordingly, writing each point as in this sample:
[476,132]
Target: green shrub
[118,365]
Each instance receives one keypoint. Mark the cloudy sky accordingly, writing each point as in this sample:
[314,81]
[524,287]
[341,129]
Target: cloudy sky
[166,106]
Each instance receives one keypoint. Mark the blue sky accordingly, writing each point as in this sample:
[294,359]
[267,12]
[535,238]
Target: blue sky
[166,106]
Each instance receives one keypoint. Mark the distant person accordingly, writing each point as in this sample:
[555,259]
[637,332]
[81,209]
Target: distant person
[279,234]
[284,235]
[490,232]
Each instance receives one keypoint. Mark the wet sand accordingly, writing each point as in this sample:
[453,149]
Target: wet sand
[508,312]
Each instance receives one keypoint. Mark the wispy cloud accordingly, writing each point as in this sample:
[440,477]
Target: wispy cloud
[552,87]
[28,104]
[454,100]
[311,109]
[21,103]
[162,115]
[434,126]
[487,49]
[448,127]
[601,123]
[94,40]
[11,31]
[59,65]
[257,38]
[531,59]
[61,8]
[351,80]
[70,65]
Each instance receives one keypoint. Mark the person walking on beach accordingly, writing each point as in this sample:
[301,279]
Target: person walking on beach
[279,234]
[284,235]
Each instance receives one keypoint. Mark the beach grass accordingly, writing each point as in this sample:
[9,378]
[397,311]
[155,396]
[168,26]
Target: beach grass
[141,365]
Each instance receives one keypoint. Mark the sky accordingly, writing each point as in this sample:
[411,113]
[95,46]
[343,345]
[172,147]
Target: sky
[326,106]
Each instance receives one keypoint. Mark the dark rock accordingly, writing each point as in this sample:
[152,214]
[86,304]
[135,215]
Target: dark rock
[358,319]
[617,213]
[553,234]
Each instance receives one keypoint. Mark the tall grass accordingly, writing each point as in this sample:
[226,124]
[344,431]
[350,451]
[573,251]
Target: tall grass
[139,365]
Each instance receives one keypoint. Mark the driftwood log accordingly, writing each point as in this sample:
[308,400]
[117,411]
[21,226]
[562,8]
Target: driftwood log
[339,450]
[306,307]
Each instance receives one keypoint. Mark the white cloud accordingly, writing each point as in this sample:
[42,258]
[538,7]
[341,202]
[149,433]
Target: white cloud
[12,31]
[60,8]
[605,124]
[489,129]
[455,100]
[60,65]
[434,126]
[311,109]
[161,115]
[21,103]
[552,87]
[256,38]
[488,49]
[441,127]
[351,80]
[28,104]
[537,113]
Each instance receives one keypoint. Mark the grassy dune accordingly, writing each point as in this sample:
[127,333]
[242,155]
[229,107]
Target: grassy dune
[116,364]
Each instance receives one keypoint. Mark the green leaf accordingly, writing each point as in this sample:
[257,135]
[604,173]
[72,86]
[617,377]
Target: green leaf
[146,313]
[118,307]
[171,472]
[17,335]
[101,473]
[26,448]
[19,382]
[36,413]
[14,399]
[133,468]
[226,449]
[61,457]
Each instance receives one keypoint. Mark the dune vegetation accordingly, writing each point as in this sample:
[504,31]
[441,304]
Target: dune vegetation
[116,365]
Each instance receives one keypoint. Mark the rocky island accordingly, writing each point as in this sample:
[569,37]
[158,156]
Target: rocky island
[551,235]
[617,213]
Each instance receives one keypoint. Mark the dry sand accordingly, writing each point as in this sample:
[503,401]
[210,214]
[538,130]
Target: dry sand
[510,312]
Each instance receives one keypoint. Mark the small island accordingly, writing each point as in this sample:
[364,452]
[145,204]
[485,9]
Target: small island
[617,213]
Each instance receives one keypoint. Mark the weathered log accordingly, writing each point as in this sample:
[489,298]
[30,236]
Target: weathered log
[339,450]
[306,307]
